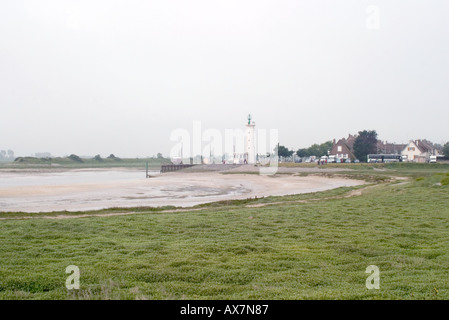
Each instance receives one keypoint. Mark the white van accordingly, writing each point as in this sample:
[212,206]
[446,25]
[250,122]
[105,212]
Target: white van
[433,159]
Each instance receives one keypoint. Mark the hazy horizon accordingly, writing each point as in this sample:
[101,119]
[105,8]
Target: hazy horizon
[116,77]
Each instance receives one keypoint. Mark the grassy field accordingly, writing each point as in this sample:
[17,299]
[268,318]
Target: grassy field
[312,246]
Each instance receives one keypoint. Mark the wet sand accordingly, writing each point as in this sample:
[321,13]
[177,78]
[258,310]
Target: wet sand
[80,190]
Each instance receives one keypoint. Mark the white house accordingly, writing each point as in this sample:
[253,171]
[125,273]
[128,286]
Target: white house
[419,151]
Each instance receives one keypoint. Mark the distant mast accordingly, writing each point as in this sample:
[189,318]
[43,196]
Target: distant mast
[250,146]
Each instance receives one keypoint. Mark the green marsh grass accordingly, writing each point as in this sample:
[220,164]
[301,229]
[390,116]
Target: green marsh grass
[316,249]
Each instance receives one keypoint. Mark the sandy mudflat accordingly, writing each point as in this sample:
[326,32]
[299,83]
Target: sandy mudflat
[78,190]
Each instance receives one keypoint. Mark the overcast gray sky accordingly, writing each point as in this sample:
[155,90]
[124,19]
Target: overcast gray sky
[100,77]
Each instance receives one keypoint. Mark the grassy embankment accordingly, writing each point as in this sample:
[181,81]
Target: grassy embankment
[314,246]
[75,162]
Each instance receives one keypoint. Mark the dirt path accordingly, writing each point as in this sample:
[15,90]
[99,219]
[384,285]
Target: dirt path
[352,193]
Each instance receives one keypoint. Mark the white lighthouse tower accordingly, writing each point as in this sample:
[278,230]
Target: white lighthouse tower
[250,143]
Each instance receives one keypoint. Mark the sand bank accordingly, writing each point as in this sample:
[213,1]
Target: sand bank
[79,190]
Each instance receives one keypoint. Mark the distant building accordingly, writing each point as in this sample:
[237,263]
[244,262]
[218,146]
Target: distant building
[249,154]
[344,148]
[419,151]
[250,143]
[389,148]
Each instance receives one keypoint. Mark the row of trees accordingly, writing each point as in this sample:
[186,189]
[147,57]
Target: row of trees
[110,157]
[318,150]
[314,150]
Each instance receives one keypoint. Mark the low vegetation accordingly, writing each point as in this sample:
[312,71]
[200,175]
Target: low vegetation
[74,161]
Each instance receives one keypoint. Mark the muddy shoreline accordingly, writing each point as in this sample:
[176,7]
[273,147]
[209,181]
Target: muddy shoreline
[94,189]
